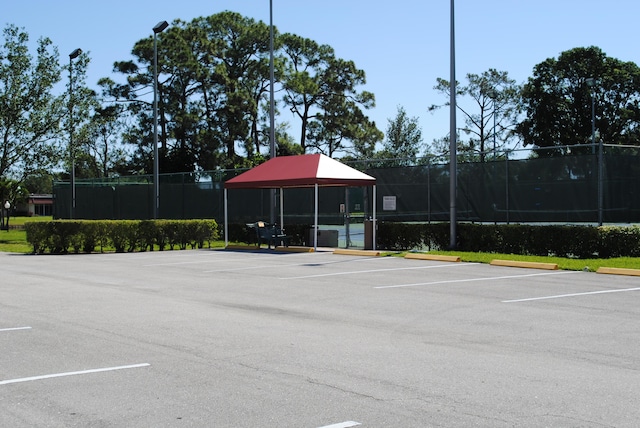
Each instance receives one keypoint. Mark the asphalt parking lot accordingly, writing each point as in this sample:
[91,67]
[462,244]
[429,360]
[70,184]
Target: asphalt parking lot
[266,339]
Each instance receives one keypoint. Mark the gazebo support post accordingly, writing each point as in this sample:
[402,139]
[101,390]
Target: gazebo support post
[315,226]
[374,217]
[226,221]
[281,209]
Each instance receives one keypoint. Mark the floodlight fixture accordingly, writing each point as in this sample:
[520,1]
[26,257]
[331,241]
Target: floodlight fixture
[160,27]
[75,53]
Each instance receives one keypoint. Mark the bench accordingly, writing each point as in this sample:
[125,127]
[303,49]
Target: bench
[269,234]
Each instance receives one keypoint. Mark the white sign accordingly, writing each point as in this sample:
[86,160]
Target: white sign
[388,203]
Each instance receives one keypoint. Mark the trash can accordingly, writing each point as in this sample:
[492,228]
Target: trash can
[368,234]
[326,238]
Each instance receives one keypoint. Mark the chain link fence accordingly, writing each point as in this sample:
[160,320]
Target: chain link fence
[505,189]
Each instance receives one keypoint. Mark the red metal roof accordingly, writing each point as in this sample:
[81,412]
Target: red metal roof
[40,199]
[300,171]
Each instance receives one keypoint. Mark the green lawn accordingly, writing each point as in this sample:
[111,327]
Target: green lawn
[22,220]
[15,241]
[563,263]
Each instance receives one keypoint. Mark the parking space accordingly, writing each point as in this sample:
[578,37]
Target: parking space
[238,338]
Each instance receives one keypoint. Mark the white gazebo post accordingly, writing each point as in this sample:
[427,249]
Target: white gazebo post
[374,218]
[226,221]
[281,210]
[315,226]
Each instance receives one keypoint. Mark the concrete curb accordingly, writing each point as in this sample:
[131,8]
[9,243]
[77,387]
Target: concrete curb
[435,257]
[619,271]
[242,247]
[295,249]
[346,252]
[530,265]
[283,249]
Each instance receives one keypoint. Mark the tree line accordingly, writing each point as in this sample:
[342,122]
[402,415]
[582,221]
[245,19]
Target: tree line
[213,91]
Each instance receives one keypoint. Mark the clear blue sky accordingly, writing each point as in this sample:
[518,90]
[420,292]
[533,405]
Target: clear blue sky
[402,45]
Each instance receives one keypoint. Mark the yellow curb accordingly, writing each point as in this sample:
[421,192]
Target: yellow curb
[436,257]
[532,265]
[356,252]
[295,249]
[619,271]
[284,249]
[242,247]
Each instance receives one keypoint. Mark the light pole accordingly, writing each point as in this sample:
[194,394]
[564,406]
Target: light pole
[7,206]
[453,167]
[272,131]
[160,26]
[73,55]
[591,83]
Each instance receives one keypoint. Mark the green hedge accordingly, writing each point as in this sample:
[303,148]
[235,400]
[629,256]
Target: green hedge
[551,240]
[87,236]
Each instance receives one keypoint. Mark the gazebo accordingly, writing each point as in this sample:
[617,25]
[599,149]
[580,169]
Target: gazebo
[314,170]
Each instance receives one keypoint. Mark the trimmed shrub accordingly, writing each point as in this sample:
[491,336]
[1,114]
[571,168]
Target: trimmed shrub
[147,234]
[37,236]
[551,240]
[619,241]
[399,236]
[60,236]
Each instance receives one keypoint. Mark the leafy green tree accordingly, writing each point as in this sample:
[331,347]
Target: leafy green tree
[489,103]
[11,191]
[240,76]
[102,153]
[39,182]
[176,87]
[364,138]
[306,62]
[321,90]
[285,143]
[82,102]
[557,102]
[341,127]
[213,81]
[403,139]
[213,91]
[29,112]
[286,146]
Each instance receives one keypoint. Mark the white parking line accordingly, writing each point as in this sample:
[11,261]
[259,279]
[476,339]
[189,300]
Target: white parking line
[346,424]
[50,376]
[560,296]
[355,272]
[15,328]
[456,281]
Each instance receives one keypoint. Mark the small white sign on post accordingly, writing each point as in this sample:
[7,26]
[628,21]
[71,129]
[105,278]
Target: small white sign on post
[389,203]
